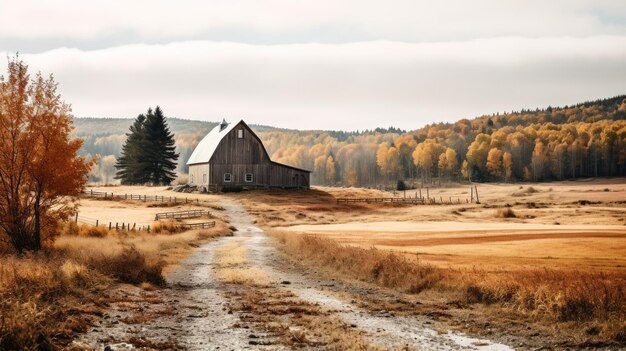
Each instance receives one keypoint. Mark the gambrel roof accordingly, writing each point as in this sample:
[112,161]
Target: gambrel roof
[207,146]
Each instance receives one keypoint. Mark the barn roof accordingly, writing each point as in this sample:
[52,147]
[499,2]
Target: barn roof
[207,146]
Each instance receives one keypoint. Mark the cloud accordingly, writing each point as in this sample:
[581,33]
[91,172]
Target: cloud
[337,86]
[33,26]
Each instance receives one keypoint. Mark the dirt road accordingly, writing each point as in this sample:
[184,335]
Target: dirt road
[196,311]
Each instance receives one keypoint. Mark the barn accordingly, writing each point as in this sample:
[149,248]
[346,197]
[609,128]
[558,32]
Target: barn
[232,156]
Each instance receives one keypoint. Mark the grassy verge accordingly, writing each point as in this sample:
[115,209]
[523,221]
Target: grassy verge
[596,300]
[46,298]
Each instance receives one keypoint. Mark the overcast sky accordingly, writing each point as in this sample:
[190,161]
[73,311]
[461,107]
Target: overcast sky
[351,64]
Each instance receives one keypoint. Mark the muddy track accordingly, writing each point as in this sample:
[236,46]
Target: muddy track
[196,311]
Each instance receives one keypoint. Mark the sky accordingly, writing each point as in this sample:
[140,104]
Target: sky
[350,64]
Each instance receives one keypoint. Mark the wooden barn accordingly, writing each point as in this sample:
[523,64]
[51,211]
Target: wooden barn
[232,156]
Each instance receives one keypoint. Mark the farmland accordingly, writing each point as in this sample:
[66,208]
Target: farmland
[549,244]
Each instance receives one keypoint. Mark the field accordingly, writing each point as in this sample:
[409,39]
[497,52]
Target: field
[555,225]
[531,265]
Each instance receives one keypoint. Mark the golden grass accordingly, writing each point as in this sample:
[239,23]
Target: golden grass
[541,294]
[39,297]
[48,297]
[381,267]
[167,226]
[232,266]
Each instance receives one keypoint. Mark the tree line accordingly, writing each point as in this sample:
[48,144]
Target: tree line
[585,140]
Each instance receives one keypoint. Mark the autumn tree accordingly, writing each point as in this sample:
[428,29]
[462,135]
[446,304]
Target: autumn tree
[494,162]
[40,172]
[330,171]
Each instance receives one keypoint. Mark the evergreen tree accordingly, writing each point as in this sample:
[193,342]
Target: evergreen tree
[159,150]
[149,154]
[129,163]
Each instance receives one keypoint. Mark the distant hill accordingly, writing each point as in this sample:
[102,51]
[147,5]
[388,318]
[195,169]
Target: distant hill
[582,140]
[86,126]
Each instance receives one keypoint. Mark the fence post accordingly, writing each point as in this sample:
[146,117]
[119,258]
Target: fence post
[91,192]
[116,227]
[109,225]
[427,193]
[148,228]
[96,222]
[123,225]
[476,189]
[471,194]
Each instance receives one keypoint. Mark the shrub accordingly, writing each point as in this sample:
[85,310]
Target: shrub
[506,212]
[131,266]
[167,226]
[181,180]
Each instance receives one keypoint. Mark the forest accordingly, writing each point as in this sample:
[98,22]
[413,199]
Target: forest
[554,143]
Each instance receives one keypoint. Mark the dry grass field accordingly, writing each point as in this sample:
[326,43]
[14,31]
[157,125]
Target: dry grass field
[556,225]
[552,252]
[47,298]
[544,259]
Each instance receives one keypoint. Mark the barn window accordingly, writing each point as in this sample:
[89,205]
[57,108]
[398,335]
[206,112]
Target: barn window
[204,178]
[248,178]
[228,177]
[240,133]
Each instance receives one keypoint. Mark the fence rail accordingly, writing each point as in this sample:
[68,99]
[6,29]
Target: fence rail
[181,214]
[145,198]
[401,200]
[111,224]
[204,225]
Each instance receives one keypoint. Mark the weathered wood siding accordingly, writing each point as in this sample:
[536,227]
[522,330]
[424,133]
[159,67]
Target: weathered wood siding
[197,173]
[239,156]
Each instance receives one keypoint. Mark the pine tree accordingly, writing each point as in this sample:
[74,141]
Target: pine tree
[129,165]
[159,149]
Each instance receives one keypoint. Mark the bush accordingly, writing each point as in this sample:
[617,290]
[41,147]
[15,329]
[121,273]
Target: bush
[131,266]
[506,212]
[168,226]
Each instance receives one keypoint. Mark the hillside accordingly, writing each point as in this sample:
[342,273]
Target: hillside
[587,139]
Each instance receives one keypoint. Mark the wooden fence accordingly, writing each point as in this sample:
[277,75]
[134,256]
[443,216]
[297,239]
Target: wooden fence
[402,200]
[145,198]
[204,225]
[181,214]
[111,225]
[419,199]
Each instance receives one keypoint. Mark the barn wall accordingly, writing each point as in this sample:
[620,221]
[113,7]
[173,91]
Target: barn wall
[196,172]
[247,155]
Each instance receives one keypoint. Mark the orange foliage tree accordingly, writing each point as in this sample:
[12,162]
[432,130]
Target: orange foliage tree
[40,172]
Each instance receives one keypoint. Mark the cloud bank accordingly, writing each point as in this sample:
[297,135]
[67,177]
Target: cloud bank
[337,86]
